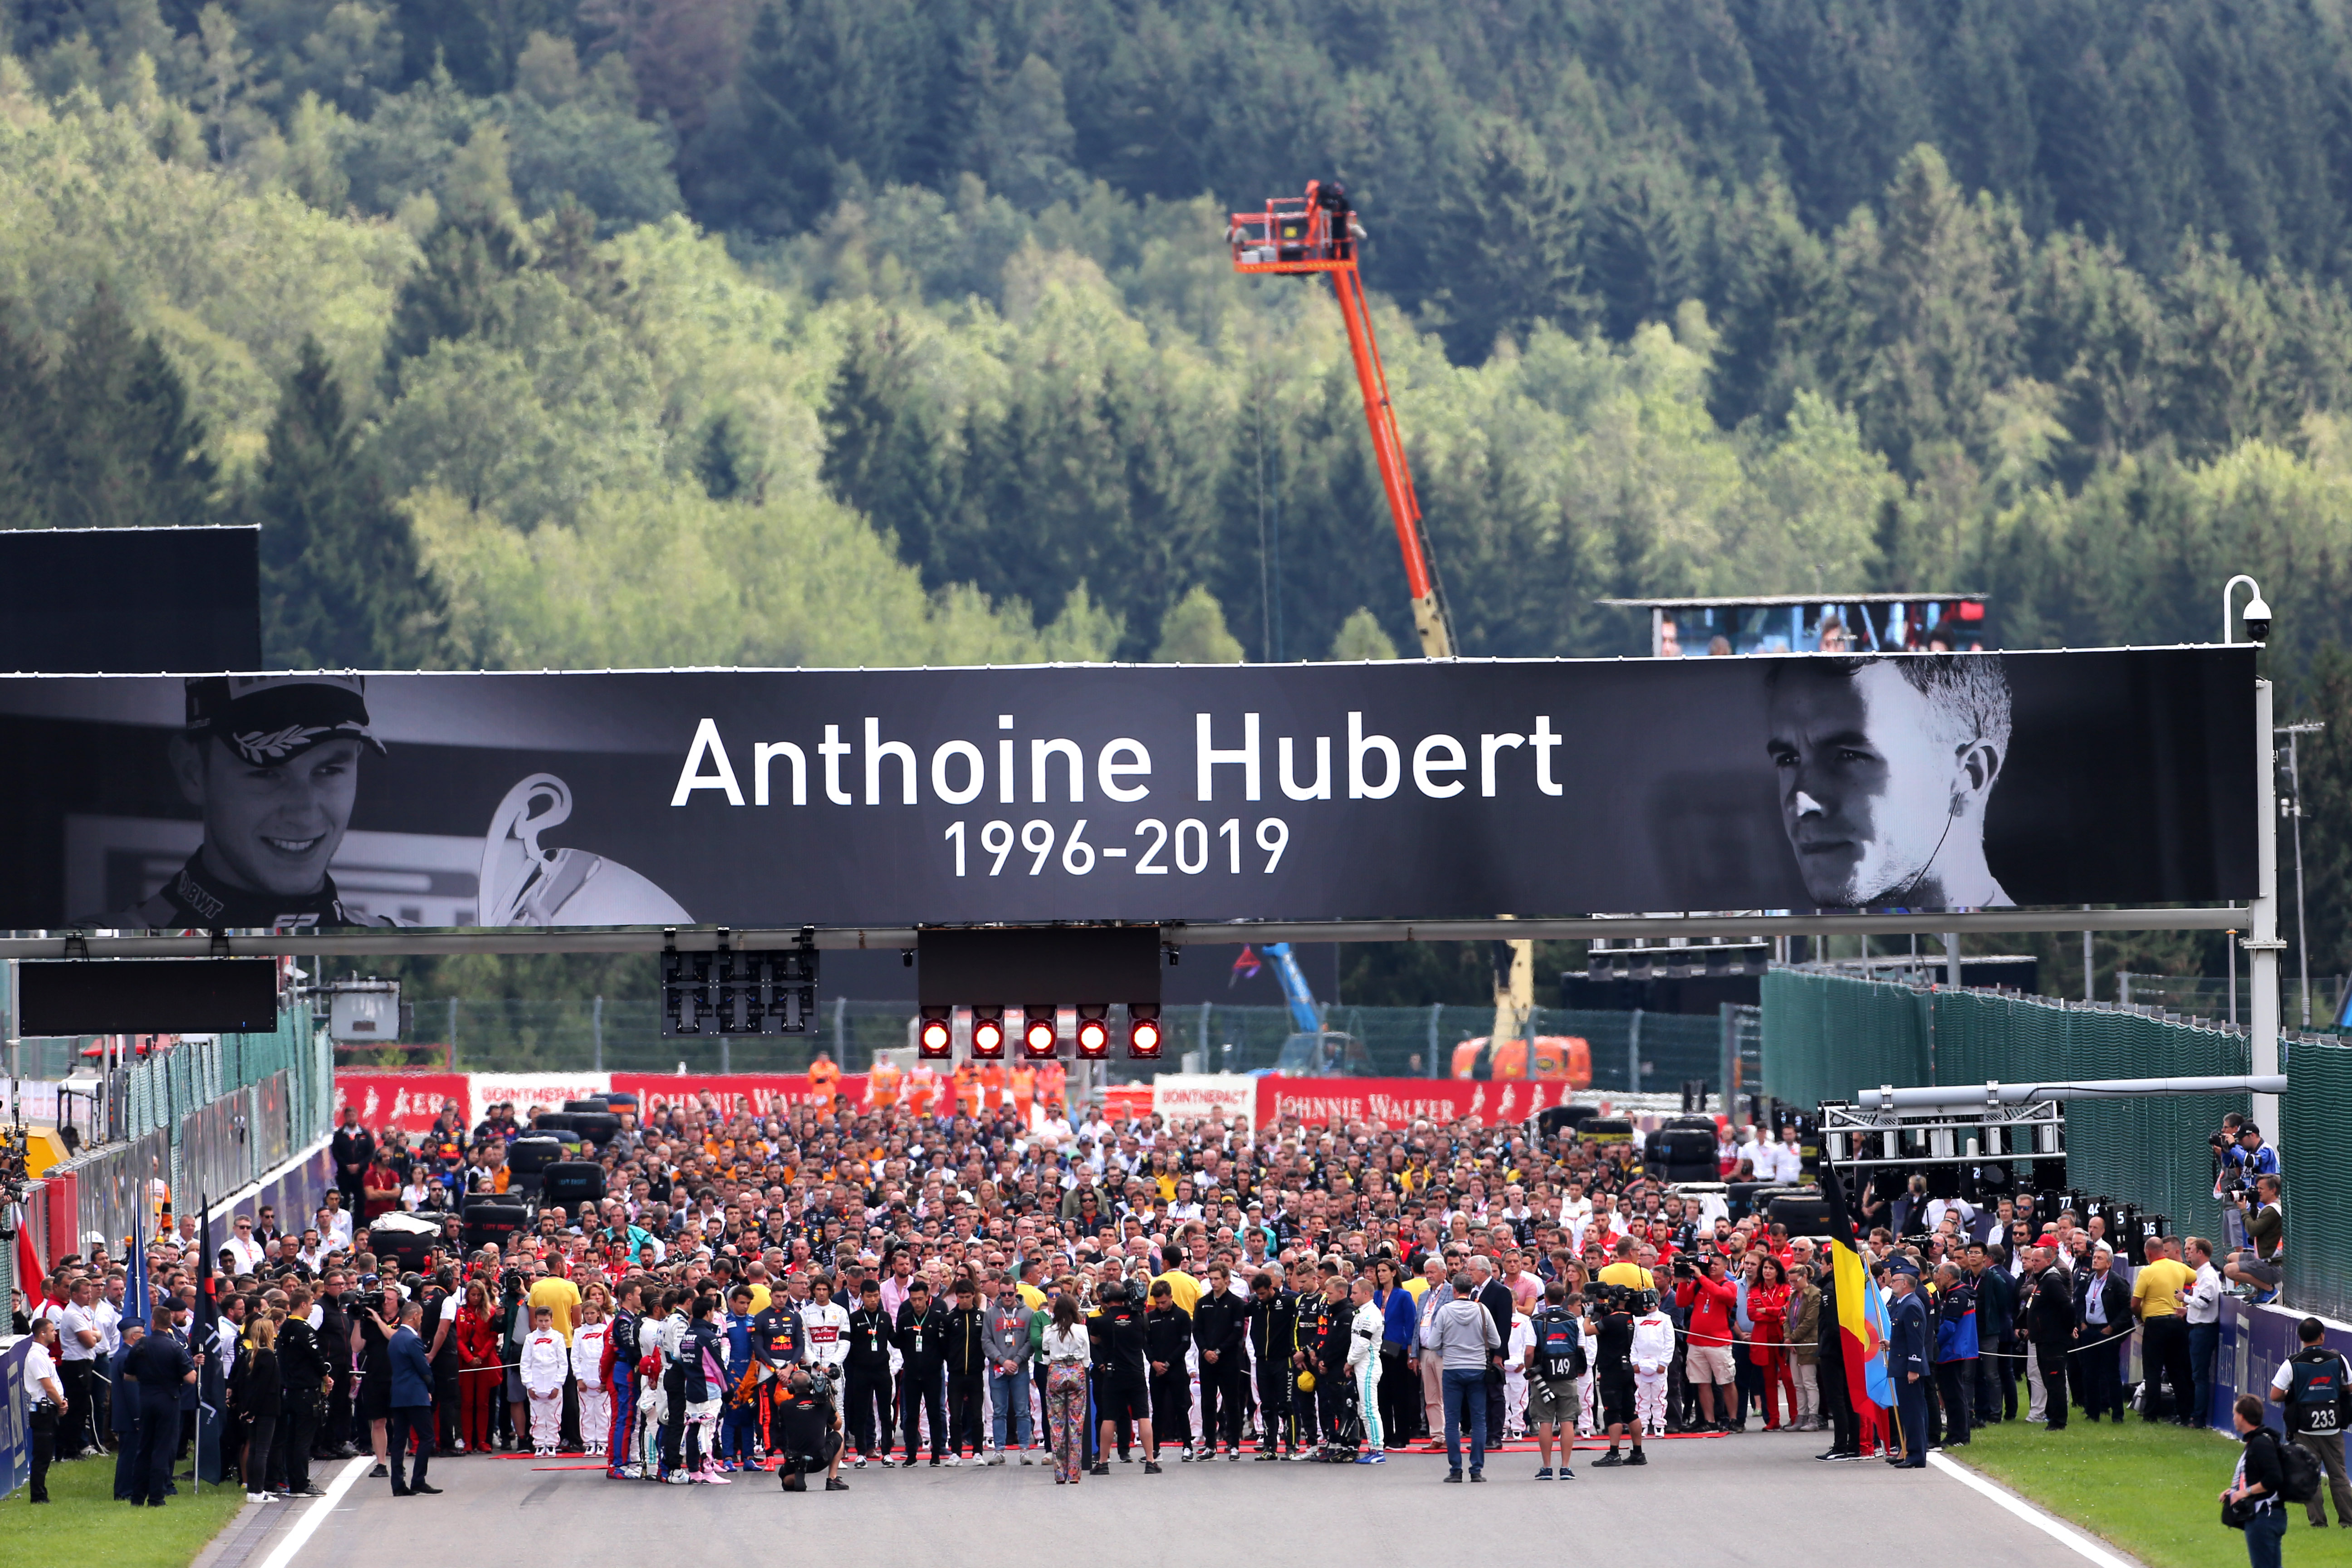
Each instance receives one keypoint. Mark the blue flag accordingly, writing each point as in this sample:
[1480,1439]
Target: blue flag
[138,1303]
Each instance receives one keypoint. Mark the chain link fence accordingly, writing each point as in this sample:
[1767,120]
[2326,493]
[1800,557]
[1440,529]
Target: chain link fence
[1636,1050]
[1827,1037]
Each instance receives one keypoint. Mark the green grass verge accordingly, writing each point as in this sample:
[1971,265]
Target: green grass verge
[2153,1490]
[81,1522]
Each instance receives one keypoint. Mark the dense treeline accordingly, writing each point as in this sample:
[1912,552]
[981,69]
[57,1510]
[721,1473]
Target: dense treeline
[878,330]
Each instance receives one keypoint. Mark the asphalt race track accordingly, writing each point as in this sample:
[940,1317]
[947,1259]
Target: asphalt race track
[1767,1489]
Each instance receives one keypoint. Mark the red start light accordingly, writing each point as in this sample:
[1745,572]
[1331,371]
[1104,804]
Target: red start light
[988,1038]
[1037,1036]
[936,1040]
[1143,1038]
[1094,1036]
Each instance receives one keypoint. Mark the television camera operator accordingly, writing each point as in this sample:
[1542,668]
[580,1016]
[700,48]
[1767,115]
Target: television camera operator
[805,1428]
[1611,1312]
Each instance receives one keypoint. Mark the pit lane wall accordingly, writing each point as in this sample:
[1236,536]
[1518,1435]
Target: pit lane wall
[235,1121]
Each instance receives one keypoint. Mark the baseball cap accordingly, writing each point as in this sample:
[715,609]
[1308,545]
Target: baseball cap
[270,719]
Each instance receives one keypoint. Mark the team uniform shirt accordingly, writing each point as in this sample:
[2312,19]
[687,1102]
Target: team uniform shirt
[828,1331]
[545,1358]
[588,1343]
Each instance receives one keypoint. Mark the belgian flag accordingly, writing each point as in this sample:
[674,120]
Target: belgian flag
[1861,1310]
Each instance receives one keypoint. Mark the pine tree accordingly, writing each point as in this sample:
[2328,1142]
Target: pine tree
[456,294]
[128,452]
[342,586]
[1521,227]
[27,430]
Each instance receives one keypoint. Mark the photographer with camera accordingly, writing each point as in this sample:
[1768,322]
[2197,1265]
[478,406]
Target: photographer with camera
[804,1428]
[1555,1369]
[1615,1310]
[2262,1264]
[2315,1384]
[1712,1300]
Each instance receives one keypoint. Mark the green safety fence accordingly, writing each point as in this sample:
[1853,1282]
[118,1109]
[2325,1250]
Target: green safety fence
[2317,1186]
[1653,1051]
[1826,1036]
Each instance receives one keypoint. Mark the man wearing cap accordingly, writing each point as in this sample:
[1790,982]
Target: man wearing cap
[272,762]
[1907,1362]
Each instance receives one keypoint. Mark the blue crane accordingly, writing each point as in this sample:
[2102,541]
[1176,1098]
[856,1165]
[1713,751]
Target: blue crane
[1305,1015]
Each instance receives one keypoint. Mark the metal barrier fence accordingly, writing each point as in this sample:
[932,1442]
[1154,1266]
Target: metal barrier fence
[1827,1035]
[1630,1051]
[2318,1187]
[205,1117]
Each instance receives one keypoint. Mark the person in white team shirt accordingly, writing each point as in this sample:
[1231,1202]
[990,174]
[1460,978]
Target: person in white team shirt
[545,1362]
[588,1372]
[1653,1350]
[1364,1369]
[826,1324]
[1514,1376]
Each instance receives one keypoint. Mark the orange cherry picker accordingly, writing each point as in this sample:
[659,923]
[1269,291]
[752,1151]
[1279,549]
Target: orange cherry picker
[1318,233]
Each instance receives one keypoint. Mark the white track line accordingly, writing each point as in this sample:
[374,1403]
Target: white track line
[296,1538]
[2072,1539]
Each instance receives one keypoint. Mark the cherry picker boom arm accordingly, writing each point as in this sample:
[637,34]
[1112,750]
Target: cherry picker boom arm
[1317,232]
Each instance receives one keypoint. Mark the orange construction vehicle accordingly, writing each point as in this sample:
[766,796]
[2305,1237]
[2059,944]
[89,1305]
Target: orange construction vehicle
[1318,233]
[1557,1058]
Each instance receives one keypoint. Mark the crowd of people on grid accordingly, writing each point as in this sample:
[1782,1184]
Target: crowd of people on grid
[850,1284]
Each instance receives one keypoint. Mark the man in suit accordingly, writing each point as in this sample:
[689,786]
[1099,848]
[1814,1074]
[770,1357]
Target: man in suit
[1908,1363]
[1996,1390]
[2103,1320]
[412,1403]
[2049,1324]
[1495,1297]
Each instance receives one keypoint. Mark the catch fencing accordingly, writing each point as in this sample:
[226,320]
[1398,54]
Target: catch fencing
[204,1118]
[1826,1036]
[1632,1051]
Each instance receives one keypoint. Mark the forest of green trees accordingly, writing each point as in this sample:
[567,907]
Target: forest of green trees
[772,331]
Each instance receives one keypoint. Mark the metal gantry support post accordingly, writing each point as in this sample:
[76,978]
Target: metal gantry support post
[2262,946]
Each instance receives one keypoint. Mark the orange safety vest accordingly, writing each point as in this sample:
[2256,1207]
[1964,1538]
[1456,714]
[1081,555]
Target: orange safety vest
[966,1086]
[1024,1084]
[921,1084]
[882,1085]
[991,1083]
[823,1073]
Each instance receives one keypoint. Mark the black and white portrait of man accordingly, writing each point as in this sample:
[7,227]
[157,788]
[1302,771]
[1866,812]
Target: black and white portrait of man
[1885,767]
[273,764]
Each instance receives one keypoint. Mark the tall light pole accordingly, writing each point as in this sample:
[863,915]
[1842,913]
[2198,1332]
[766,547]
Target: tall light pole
[2263,944]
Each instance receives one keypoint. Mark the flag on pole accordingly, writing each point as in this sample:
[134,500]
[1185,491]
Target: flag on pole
[1862,1312]
[138,1300]
[206,1330]
[30,1275]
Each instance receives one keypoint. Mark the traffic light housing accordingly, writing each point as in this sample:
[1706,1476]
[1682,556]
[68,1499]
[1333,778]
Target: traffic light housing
[935,1038]
[1143,1031]
[988,1032]
[1037,1031]
[1094,1032]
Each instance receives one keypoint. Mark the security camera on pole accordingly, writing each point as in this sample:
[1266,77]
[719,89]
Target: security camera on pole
[2262,946]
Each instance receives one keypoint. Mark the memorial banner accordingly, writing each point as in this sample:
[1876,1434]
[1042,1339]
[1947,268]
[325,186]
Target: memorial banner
[1407,790]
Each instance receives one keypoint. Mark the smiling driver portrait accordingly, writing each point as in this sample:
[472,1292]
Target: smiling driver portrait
[1885,767]
[272,762]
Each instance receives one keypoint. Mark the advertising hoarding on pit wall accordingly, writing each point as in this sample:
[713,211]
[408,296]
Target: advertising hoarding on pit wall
[1402,790]
[411,1100]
